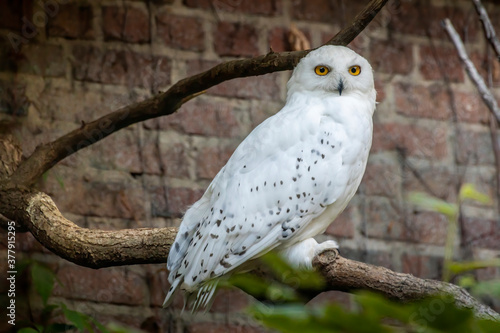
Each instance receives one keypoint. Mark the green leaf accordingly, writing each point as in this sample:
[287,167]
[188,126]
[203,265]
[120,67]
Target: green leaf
[460,267]
[80,320]
[468,191]
[43,281]
[59,327]
[260,288]
[378,307]
[434,204]
[296,278]
[28,330]
[491,288]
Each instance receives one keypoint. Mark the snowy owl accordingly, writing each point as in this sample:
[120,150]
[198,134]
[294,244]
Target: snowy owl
[286,182]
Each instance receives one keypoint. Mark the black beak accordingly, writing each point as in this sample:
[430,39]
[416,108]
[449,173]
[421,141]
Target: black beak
[340,87]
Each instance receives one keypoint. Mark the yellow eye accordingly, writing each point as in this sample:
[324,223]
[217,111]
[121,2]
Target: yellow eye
[321,70]
[354,70]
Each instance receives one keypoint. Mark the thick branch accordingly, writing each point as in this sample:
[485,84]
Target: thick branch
[474,75]
[489,31]
[47,155]
[348,275]
[85,247]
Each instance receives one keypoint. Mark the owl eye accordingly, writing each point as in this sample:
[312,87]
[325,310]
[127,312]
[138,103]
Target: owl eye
[321,70]
[354,70]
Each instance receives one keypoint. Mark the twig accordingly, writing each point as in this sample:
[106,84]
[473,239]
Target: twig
[47,155]
[489,31]
[474,75]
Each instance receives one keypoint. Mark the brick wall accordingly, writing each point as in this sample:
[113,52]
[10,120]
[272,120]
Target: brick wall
[78,61]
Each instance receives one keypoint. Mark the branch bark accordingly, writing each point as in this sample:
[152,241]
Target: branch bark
[347,275]
[489,31]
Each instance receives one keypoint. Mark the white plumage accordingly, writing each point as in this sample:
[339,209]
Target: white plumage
[287,181]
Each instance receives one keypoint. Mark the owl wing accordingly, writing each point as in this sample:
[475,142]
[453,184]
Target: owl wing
[278,180]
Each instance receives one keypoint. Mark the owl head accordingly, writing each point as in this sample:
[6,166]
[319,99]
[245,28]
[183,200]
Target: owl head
[332,70]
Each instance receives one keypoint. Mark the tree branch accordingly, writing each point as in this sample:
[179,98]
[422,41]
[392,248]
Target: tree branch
[489,31]
[474,75]
[347,275]
[47,155]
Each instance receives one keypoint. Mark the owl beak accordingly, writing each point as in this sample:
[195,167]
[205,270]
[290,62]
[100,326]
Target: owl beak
[340,87]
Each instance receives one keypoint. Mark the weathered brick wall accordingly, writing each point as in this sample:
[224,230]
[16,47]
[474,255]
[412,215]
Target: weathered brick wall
[88,58]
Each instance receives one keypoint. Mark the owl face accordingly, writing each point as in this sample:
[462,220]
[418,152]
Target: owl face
[332,70]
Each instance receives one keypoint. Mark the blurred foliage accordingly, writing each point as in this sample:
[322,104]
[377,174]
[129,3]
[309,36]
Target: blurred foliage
[283,307]
[43,280]
[373,314]
[283,295]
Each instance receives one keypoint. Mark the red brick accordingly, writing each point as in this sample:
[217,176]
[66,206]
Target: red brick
[487,66]
[150,153]
[79,194]
[423,19]
[326,11]
[71,21]
[157,281]
[481,233]
[223,327]
[471,108]
[120,67]
[343,225]
[279,41]
[391,57]
[474,148]
[440,63]
[43,60]
[211,159]
[422,266]
[204,117]
[426,227]
[381,179]
[185,33]
[385,219]
[437,181]
[273,7]
[415,140]
[380,88]
[236,39]
[119,151]
[174,156]
[230,300]
[127,23]
[423,102]
[180,198]
[106,285]
[159,205]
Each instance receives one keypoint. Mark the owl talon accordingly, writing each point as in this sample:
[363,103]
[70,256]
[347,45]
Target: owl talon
[326,245]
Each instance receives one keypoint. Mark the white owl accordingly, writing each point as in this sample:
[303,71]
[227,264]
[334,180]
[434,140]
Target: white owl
[287,181]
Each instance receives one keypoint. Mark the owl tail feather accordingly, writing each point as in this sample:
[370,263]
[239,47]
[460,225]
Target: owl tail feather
[169,298]
[204,297]
[201,299]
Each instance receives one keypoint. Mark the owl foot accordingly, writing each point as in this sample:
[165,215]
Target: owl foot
[326,245]
[301,255]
